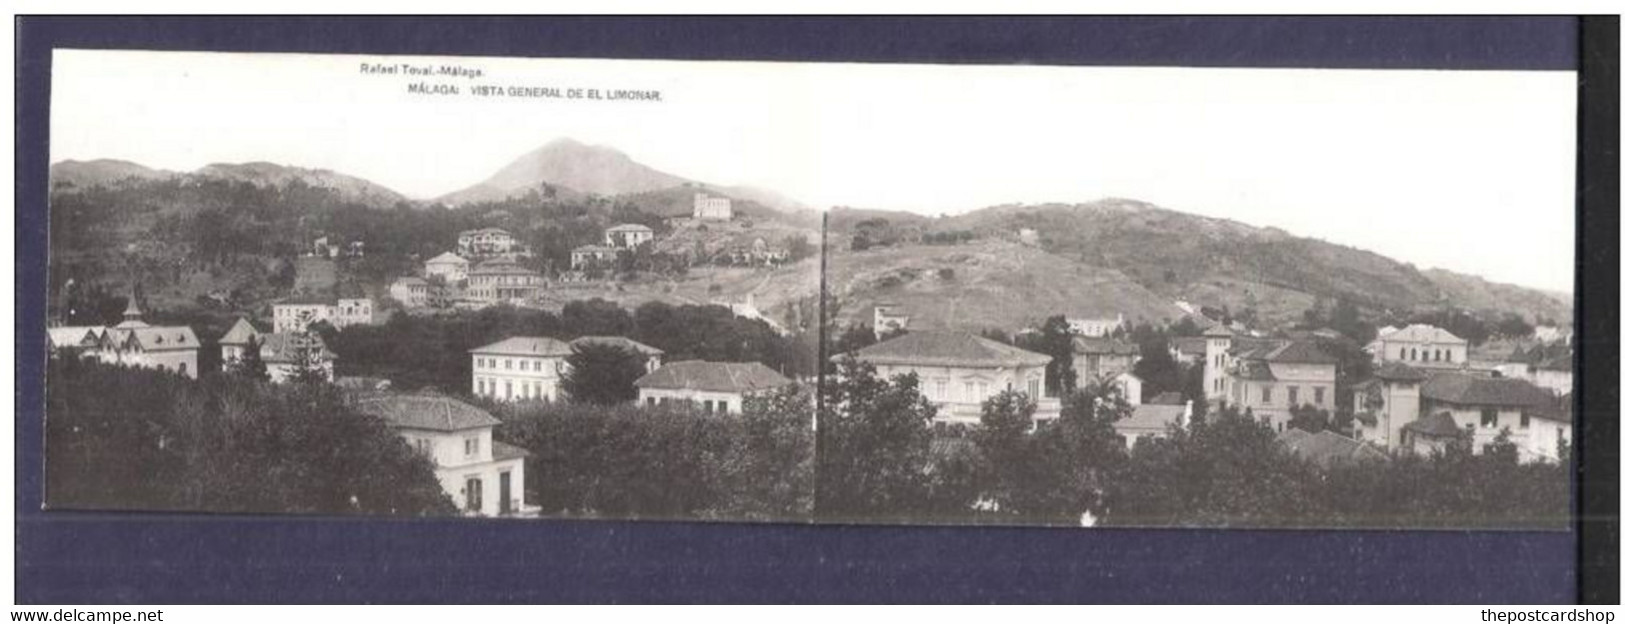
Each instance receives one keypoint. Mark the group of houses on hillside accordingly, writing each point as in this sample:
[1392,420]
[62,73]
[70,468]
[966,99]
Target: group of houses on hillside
[485,269]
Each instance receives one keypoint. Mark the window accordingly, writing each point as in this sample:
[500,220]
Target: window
[1291,395]
[942,390]
[1424,356]
[709,406]
[1320,396]
[507,363]
[722,407]
[1523,420]
[1267,391]
[471,446]
[182,368]
[524,365]
[1489,417]
[649,401]
[1033,389]
[474,490]
[424,445]
[1449,355]
[507,389]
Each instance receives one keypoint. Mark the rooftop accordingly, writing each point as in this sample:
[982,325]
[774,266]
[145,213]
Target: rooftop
[447,257]
[1298,352]
[152,338]
[1438,425]
[1152,417]
[435,412]
[1463,389]
[282,348]
[630,227]
[525,345]
[617,341]
[713,376]
[1421,332]
[1398,371]
[1105,346]
[948,348]
[1326,448]
[239,333]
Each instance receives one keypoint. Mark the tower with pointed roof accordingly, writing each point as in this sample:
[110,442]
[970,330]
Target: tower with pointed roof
[132,313]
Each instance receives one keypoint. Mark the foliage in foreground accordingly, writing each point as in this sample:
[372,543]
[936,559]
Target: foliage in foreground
[123,438]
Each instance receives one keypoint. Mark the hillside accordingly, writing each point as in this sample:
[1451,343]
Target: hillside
[985,284]
[568,163]
[1220,263]
[85,173]
[1473,292]
[263,174]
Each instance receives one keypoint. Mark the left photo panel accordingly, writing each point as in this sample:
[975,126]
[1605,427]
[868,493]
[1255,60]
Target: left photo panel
[412,286]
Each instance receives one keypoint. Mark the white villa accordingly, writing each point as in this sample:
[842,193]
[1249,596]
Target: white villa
[711,208]
[959,371]
[449,267]
[1094,327]
[1272,377]
[1387,403]
[1420,345]
[719,387]
[482,476]
[485,242]
[628,235]
[297,314]
[1468,409]
[498,281]
[282,352]
[519,368]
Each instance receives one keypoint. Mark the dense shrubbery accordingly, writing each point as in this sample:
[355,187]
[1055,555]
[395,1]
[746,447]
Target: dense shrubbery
[121,438]
[668,462]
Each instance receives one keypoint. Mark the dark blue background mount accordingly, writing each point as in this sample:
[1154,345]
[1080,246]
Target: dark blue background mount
[91,558]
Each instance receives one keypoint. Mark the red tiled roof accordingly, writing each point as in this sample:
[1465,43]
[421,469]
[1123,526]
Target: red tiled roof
[713,376]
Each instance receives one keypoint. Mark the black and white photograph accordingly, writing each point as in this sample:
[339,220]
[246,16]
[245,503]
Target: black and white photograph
[810,292]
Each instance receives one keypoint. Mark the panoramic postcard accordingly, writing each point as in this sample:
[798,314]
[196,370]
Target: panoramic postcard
[798,292]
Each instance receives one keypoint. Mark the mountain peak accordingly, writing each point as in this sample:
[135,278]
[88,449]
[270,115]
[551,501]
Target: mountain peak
[572,164]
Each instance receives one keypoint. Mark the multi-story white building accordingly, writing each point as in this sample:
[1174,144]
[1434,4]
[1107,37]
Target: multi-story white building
[1472,411]
[1420,345]
[628,235]
[711,208]
[297,314]
[1272,378]
[412,292]
[717,387]
[481,475]
[450,268]
[958,371]
[485,242]
[503,281]
[519,368]
[1097,359]
[1386,403]
[1094,327]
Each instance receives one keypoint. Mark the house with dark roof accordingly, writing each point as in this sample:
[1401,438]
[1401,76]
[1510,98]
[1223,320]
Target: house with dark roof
[958,371]
[1101,358]
[1386,403]
[1482,408]
[283,353]
[482,476]
[135,343]
[1327,448]
[1270,378]
[717,387]
[1150,420]
[519,368]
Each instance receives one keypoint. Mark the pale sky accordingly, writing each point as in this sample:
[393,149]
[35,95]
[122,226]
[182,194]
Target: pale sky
[1468,171]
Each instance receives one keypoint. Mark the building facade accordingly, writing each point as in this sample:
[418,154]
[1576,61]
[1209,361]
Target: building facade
[628,235]
[1094,327]
[1096,359]
[1271,379]
[520,368]
[714,387]
[299,313]
[481,476]
[1388,402]
[958,371]
[587,256]
[889,318]
[135,343]
[710,208]
[1474,410]
[503,281]
[485,242]
[1420,345]
[450,268]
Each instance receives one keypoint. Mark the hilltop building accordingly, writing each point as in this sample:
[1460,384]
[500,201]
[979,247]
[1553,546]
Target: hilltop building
[297,314]
[1420,345]
[890,318]
[587,256]
[503,281]
[958,371]
[135,343]
[1094,327]
[628,235]
[718,387]
[450,268]
[519,368]
[482,476]
[485,242]
[708,208]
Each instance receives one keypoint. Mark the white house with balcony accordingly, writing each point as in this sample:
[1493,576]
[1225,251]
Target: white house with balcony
[482,476]
[519,368]
[958,371]
[715,387]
